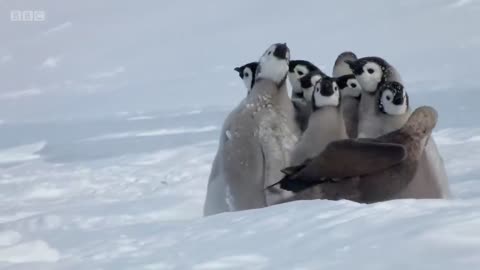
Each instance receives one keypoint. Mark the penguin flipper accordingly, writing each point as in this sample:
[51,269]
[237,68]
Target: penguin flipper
[215,200]
[272,171]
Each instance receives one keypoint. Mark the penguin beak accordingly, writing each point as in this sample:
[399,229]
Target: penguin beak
[281,51]
[291,65]
[398,100]
[239,70]
[355,66]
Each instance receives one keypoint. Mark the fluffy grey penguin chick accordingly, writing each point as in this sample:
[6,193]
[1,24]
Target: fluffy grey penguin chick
[371,72]
[325,124]
[303,105]
[256,141]
[297,70]
[302,70]
[351,93]
[393,108]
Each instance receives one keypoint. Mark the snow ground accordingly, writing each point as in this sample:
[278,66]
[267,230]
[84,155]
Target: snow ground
[134,202]
[121,184]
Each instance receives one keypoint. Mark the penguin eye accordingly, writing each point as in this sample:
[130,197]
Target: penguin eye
[246,75]
[389,97]
[300,73]
[335,88]
[270,53]
[370,70]
[353,85]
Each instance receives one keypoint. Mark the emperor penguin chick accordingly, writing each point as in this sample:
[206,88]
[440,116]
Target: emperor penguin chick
[303,105]
[351,93]
[392,110]
[256,141]
[371,72]
[325,124]
[247,74]
[308,82]
[297,70]
[302,70]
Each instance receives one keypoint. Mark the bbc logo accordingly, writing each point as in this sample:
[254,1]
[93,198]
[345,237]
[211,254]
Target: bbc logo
[27,16]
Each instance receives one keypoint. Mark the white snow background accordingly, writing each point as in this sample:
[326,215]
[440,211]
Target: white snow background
[110,114]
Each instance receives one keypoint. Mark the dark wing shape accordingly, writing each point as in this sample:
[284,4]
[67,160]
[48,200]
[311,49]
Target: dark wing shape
[295,169]
[342,159]
[289,171]
[348,158]
[296,185]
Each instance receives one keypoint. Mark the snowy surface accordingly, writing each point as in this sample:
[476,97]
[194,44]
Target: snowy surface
[135,202]
[110,115]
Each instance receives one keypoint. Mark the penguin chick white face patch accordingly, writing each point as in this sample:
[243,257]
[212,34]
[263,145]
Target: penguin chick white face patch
[299,71]
[370,77]
[247,78]
[272,68]
[294,76]
[393,103]
[308,92]
[326,97]
[353,88]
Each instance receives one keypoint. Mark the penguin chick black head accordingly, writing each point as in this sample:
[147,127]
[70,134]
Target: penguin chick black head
[371,71]
[393,99]
[247,74]
[349,86]
[273,65]
[297,70]
[307,83]
[325,93]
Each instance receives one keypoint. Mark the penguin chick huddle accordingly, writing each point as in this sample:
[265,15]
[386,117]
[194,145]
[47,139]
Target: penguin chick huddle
[351,135]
